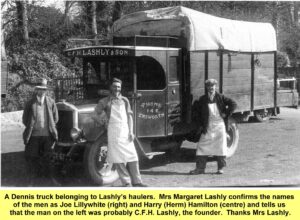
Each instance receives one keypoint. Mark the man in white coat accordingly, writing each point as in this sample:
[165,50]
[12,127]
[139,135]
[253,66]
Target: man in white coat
[211,113]
[121,149]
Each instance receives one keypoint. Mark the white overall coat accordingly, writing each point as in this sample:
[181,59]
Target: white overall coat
[214,142]
[120,149]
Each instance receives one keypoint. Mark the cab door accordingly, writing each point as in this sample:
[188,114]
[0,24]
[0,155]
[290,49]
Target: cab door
[174,98]
[150,96]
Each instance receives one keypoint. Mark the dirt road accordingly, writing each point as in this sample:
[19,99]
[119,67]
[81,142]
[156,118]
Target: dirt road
[268,155]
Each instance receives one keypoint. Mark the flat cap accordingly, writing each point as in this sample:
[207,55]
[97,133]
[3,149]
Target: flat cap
[211,82]
[116,80]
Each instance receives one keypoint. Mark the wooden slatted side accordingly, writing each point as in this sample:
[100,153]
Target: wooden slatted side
[236,61]
[197,71]
[214,66]
[237,79]
[265,60]
[263,81]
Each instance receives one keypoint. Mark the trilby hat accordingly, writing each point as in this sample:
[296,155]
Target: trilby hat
[42,84]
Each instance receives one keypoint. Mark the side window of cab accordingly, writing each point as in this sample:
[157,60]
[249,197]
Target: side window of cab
[150,74]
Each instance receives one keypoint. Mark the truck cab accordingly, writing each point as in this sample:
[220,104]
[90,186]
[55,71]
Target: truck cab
[152,81]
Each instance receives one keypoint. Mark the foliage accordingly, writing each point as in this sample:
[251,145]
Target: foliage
[42,57]
[49,29]
[283,59]
[27,67]
[83,20]
[290,43]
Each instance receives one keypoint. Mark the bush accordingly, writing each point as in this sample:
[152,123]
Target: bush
[26,67]
[283,59]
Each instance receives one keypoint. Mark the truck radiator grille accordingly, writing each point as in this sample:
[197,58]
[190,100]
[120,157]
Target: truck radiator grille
[64,125]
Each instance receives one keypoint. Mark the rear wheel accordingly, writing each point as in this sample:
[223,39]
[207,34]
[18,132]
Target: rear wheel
[232,137]
[96,166]
[262,115]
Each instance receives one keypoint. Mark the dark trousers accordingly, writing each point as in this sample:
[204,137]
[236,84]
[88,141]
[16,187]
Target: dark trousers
[201,162]
[38,156]
[129,173]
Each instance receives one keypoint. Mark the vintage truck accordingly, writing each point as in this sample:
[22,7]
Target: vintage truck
[163,57]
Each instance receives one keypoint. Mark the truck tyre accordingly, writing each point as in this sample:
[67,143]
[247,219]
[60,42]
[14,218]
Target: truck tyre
[262,115]
[232,137]
[96,167]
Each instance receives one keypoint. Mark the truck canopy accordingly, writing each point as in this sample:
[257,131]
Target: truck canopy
[201,31]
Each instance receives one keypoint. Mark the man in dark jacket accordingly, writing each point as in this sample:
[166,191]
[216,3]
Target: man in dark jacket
[211,113]
[39,117]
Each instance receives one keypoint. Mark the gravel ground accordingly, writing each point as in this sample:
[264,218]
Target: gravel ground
[268,155]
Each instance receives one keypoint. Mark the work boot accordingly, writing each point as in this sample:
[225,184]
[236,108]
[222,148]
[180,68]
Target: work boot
[221,164]
[220,171]
[200,165]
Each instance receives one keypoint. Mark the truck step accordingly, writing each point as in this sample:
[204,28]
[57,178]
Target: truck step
[150,155]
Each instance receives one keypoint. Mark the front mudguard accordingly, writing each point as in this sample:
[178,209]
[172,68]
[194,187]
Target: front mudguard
[73,151]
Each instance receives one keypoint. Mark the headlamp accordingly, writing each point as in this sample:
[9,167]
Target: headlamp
[75,133]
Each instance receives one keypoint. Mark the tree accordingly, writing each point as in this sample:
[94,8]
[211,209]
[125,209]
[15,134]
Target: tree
[94,19]
[66,18]
[23,19]
[117,10]
[294,10]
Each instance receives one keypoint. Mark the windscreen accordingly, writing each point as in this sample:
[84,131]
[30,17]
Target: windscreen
[99,72]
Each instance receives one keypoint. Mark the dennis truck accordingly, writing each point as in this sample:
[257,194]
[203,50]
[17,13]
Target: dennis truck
[163,57]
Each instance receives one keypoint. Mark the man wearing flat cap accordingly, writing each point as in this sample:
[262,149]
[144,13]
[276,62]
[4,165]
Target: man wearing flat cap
[211,114]
[121,150]
[39,117]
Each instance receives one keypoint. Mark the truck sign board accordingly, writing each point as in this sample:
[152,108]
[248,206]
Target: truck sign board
[101,51]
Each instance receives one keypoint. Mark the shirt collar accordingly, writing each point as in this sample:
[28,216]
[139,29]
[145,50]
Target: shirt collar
[40,99]
[111,97]
[211,97]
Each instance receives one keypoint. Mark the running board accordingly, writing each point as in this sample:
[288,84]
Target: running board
[150,155]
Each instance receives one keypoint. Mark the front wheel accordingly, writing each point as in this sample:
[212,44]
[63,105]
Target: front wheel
[95,164]
[232,137]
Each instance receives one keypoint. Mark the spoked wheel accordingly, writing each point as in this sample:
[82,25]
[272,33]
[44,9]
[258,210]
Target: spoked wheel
[96,166]
[232,137]
[262,115]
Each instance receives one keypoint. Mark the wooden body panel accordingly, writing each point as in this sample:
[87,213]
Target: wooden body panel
[247,78]
[197,74]
[150,114]
[174,108]
[237,79]
[263,81]
[214,66]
